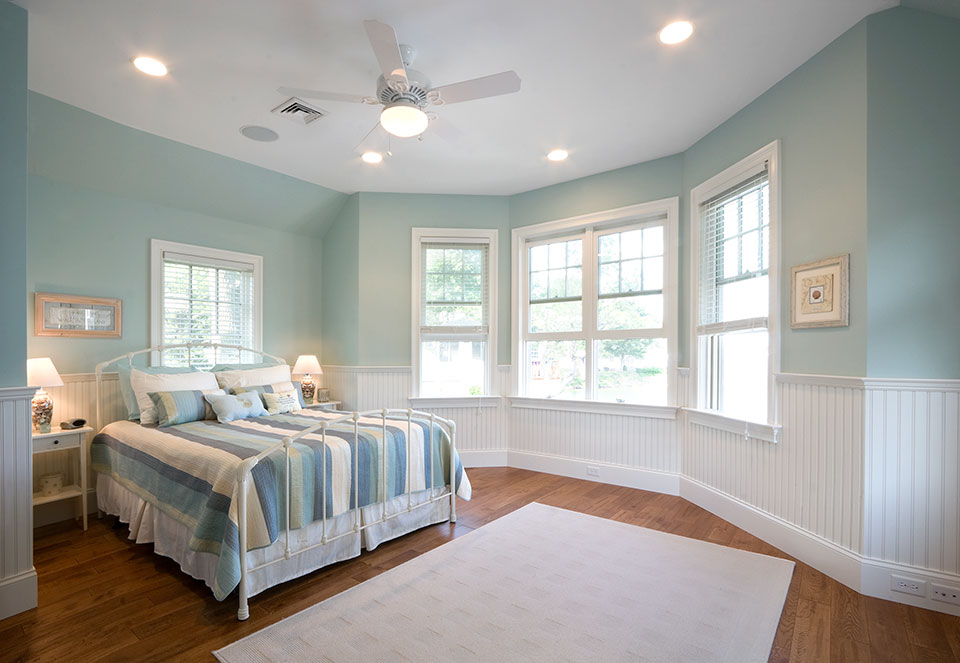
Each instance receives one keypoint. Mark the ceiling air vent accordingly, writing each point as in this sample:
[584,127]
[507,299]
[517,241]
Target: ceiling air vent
[299,111]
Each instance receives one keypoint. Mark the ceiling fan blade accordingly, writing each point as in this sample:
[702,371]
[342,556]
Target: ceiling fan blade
[328,96]
[383,39]
[445,129]
[478,88]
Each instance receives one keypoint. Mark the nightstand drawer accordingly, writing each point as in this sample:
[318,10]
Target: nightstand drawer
[52,442]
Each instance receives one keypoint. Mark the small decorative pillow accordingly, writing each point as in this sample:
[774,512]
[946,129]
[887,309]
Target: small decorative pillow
[275,389]
[282,401]
[241,406]
[179,407]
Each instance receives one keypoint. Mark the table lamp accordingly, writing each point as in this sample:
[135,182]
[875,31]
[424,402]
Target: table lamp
[42,373]
[307,364]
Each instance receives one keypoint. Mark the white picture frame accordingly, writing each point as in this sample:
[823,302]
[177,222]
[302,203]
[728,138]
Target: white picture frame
[819,293]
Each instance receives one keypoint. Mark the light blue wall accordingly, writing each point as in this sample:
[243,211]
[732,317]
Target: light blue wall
[340,320]
[819,113]
[13,194]
[85,238]
[386,222]
[914,195]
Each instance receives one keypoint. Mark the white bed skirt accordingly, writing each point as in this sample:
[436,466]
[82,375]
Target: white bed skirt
[171,538]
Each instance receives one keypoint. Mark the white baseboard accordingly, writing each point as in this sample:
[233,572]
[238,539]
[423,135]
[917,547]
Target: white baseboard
[618,475]
[18,593]
[868,576]
[483,458]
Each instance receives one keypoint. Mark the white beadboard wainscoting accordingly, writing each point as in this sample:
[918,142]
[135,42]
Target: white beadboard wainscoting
[861,483]
[18,578]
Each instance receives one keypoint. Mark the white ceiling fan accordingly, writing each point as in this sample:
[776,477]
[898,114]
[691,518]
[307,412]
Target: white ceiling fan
[404,92]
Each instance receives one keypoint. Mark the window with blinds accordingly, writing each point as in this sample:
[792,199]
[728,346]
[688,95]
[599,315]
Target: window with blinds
[207,298]
[734,293]
[454,317]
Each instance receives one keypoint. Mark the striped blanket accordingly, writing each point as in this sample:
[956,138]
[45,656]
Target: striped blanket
[189,472]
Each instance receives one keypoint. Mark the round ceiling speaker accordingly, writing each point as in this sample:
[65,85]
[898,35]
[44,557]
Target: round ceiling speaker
[258,133]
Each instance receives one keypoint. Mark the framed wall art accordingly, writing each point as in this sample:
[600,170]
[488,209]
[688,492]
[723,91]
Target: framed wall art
[72,315]
[819,293]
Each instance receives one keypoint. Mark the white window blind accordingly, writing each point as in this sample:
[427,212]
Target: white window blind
[735,258]
[454,289]
[206,299]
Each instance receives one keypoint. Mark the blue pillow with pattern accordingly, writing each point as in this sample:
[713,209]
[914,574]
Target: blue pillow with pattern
[180,407]
[229,407]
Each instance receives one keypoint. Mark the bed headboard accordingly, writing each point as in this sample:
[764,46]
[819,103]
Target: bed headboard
[155,353]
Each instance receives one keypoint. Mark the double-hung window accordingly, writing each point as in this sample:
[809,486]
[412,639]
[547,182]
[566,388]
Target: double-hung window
[597,318]
[454,303]
[736,290]
[205,295]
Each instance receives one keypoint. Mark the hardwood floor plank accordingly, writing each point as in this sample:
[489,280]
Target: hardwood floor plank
[106,598]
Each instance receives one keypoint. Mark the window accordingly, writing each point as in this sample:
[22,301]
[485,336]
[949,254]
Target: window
[736,289]
[454,330]
[203,294]
[597,314]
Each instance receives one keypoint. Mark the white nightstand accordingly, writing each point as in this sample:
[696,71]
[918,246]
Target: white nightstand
[328,405]
[58,440]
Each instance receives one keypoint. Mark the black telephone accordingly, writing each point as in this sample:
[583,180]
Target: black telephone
[72,424]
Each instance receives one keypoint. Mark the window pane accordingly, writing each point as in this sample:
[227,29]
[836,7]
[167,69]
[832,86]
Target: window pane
[538,285]
[731,258]
[631,244]
[434,260]
[731,218]
[630,271]
[749,298]
[653,241]
[653,274]
[609,278]
[458,315]
[452,260]
[751,210]
[743,375]
[558,283]
[451,368]
[574,281]
[558,255]
[632,371]
[751,252]
[609,247]
[555,369]
[575,252]
[538,258]
[556,316]
[639,312]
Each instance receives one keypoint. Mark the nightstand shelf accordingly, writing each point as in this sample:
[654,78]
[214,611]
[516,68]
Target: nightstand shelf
[65,440]
[327,405]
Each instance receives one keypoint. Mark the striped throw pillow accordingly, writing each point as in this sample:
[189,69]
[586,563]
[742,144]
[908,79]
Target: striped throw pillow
[273,389]
[180,407]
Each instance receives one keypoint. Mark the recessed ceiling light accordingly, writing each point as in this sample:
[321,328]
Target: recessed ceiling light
[371,157]
[258,133]
[150,66]
[557,155]
[676,32]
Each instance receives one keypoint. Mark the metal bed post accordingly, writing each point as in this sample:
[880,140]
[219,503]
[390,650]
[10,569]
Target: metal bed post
[323,487]
[383,470]
[286,452]
[408,445]
[244,610]
[356,471]
[453,471]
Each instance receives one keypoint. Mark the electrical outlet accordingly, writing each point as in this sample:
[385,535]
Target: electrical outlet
[945,594]
[908,585]
[593,471]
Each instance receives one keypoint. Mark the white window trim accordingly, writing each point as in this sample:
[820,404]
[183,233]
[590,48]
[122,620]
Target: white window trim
[666,207]
[454,236]
[768,156]
[159,246]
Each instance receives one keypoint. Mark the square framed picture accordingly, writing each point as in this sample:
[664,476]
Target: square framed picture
[819,293]
[71,315]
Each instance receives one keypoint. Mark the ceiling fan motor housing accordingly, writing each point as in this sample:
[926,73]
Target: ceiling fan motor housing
[414,91]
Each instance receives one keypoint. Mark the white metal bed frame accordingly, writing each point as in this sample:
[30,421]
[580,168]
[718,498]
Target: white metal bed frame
[246,466]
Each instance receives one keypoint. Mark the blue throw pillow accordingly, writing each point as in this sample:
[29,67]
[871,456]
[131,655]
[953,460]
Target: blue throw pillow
[241,406]
[180,407]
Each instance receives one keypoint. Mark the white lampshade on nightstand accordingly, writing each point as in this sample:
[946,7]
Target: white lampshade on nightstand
[42,373]
[306,366]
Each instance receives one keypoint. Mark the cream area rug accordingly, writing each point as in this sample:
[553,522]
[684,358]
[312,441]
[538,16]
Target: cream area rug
[545,584]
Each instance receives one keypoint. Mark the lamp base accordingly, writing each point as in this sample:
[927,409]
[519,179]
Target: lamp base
[308,387]
[42,411]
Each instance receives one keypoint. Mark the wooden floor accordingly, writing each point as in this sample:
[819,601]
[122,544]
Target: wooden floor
[103,598]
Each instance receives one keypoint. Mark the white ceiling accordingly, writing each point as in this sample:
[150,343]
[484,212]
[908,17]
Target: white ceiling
[595,79]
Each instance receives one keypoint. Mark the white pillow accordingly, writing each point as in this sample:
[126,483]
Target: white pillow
[249,377]
[282,401]
[143,383]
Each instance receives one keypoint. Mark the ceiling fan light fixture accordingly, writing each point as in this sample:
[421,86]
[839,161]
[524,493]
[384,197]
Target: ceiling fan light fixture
[557,154]
[150,66]
[404,119]
[371,157]
[676,32]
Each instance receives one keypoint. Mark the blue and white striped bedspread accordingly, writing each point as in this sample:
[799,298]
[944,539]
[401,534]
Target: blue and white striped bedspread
[189,472]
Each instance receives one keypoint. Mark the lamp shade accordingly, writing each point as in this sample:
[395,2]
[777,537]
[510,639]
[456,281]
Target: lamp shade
[307,365]
[42,373]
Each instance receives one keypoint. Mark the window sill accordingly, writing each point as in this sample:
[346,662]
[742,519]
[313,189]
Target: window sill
[595,407]
[454,401]
[748,429]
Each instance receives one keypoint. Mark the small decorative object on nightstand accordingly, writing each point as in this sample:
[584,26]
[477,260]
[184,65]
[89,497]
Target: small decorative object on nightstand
[51,485]
[42,373]
[307,364]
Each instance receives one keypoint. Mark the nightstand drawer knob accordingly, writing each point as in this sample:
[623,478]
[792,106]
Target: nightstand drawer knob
[56,441]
